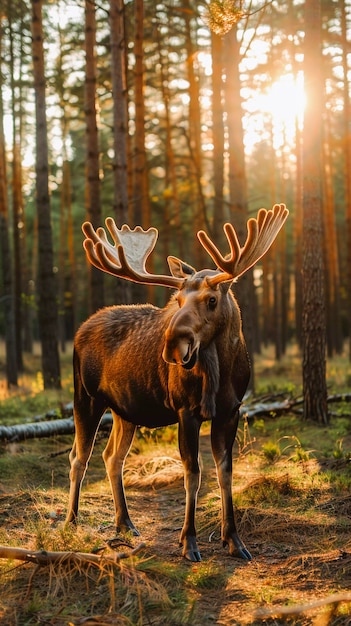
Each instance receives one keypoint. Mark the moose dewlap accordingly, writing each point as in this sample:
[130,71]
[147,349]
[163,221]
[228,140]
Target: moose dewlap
[152,367]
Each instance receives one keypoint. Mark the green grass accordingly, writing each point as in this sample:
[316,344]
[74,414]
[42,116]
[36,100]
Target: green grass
[29,399]
[271,451]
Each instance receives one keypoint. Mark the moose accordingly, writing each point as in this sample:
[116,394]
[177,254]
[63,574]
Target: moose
[185,363]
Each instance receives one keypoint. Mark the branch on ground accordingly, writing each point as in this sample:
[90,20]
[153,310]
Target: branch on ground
[44,558]
[285,611]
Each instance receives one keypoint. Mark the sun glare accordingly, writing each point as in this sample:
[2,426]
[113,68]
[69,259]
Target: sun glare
[272,114]
[276,113]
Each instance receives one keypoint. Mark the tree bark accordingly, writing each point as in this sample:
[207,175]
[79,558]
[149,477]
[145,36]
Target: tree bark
[217,139]
[120,127]
[346,121]
[48,314]
[5,259]
[141,204]
[200,218]
[17,200]
[96,277]
[171,196]
[313,313]
[141,187]
[238,203]
[297,236]
[120,114]
[330,250]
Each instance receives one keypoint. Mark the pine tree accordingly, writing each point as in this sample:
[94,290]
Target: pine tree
[313,314]
[47,290]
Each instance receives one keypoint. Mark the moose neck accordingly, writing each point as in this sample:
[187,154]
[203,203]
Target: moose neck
[215,334]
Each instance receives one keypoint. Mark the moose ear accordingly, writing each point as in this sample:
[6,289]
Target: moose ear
[179,269]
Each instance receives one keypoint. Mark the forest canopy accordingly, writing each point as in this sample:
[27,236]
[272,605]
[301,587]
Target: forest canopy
[180,115]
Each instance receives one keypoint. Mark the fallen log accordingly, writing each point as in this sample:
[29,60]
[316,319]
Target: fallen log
[20,432]
[339,397]
[271,409]
[65,426]
[276,408]
[65,410]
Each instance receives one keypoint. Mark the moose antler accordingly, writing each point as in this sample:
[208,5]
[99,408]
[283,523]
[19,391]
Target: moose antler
[262,231]
[127,257]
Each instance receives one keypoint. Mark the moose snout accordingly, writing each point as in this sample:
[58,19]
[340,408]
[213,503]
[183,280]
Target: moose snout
[180,349]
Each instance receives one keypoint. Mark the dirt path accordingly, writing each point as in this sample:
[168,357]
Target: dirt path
[299,556]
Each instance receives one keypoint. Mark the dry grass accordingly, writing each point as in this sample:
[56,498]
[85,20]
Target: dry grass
[293,512]
[153,472]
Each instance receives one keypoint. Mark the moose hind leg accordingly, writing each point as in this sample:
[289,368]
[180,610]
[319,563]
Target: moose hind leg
[189,451]
[222,439]
[114,455]
[86,418]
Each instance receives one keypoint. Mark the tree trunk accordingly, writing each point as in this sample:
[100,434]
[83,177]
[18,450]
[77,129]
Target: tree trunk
[313,314]
[7,299]
[120,127]
[120,115]
[69,283]
[171,196]
[346,121]
[275,260]
[237,180]
[141,212]
[141,187]
[297,236]
[96,291]
[26,308]
[332,276]
[67,261]
[194,135]
[218,139]
[17,200]
[48,315]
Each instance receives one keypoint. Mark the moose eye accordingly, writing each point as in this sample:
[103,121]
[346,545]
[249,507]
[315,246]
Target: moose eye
[212,302]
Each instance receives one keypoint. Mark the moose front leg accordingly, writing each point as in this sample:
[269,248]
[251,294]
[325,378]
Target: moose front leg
[222,440]
[189,428]
[114,455]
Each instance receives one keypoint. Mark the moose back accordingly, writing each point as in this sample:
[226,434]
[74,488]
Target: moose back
[152,367]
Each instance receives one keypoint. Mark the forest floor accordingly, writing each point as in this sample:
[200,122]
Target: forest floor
[292,495]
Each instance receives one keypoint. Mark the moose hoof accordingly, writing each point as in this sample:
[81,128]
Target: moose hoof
[237,549]
[127,528]
[243,553]
[192,555]
[191,551]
